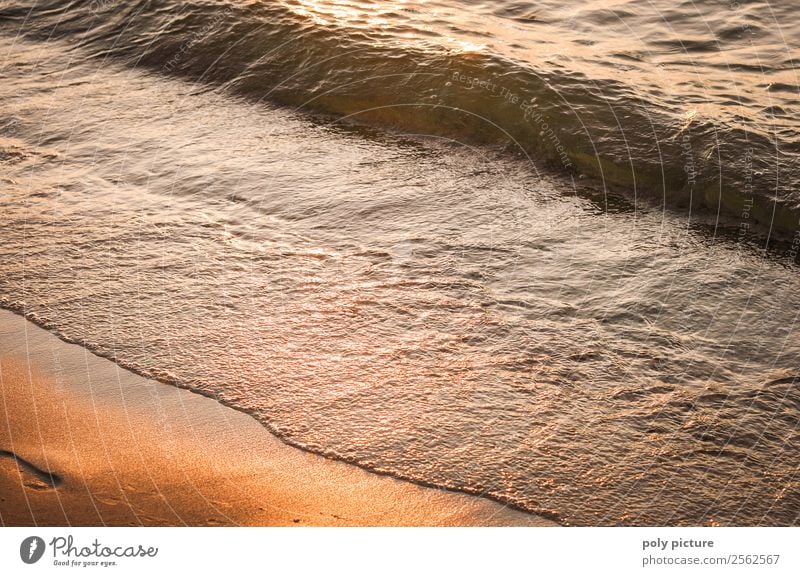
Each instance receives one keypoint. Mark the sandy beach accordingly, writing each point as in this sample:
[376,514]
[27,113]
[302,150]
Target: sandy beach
[85,442]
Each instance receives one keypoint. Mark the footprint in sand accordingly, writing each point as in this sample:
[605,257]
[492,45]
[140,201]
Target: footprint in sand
[31,476]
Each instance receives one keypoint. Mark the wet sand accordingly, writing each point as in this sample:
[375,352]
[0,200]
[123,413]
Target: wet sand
[85,442]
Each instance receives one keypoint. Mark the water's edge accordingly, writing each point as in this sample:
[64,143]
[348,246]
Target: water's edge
[35,320]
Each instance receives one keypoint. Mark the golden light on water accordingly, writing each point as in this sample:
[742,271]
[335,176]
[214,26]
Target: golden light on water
[465,46]
[346,12]
[377,18]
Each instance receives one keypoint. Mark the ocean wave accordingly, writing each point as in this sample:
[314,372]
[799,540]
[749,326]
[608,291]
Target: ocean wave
[600,128]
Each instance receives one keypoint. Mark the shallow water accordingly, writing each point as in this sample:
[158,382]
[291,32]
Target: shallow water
[435,309]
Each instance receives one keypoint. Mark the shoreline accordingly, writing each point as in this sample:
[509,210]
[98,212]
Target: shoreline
[88,443]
